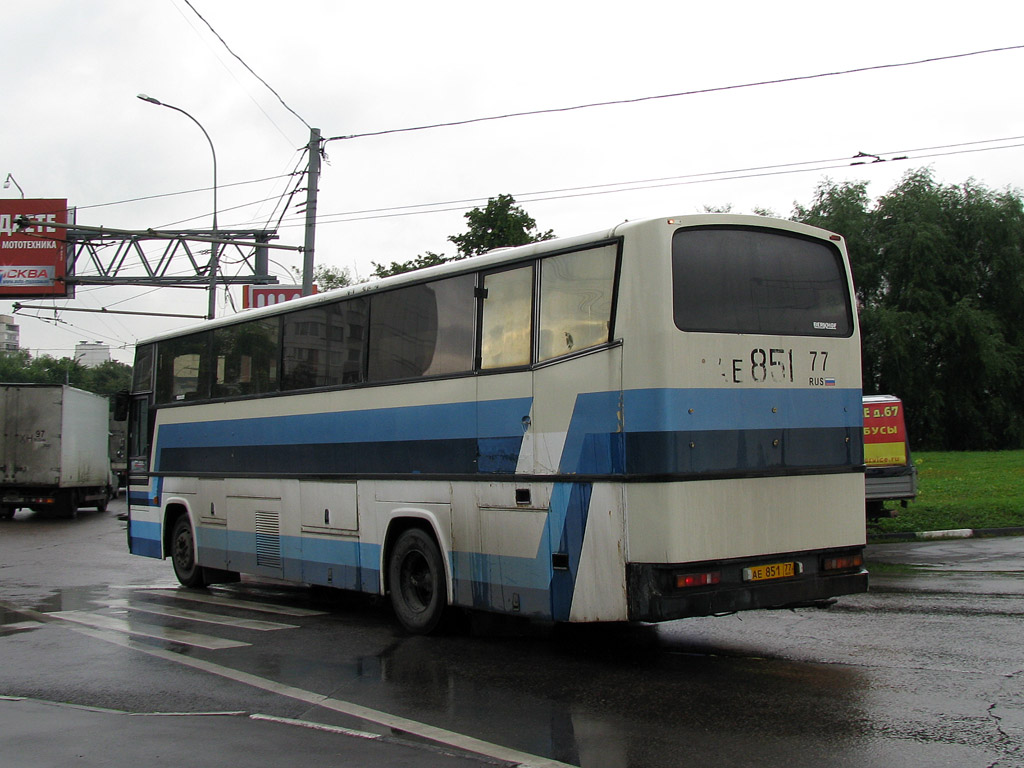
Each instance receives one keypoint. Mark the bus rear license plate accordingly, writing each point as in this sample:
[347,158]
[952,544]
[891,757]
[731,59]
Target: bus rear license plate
[770,571]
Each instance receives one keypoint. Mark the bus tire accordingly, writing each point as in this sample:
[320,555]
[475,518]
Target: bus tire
[183,555]
[418,587]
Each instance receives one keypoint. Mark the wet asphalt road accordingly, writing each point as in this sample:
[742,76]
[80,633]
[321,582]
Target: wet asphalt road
[925,670]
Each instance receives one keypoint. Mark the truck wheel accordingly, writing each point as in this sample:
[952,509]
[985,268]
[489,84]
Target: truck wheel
[419,593]
[183,555]
[68,506]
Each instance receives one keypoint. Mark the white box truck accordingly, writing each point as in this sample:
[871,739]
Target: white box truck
[54,454]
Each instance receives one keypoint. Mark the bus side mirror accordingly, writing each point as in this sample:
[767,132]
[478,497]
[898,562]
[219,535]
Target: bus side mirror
[122,400]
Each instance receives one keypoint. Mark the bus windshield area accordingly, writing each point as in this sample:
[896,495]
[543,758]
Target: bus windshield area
[747,280]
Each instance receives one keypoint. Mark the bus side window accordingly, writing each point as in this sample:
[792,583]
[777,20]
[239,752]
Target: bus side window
[575,301]
[140,432]
[247,358]
[422,330]
[507,325]
[183,368]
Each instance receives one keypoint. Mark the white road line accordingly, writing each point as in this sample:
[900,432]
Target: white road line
[202,616]
[147,630]
[252,605]
[317,726]
[412,727]
[20,625]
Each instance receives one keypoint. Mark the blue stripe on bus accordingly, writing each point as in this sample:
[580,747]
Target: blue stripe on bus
[482,420]
[570,504]
[694,431]
[144,539]
[636,432]
[341,563]
[697,410]
[458,438]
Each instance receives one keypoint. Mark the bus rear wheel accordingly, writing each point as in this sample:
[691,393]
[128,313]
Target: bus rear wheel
[183,555]
[419,593]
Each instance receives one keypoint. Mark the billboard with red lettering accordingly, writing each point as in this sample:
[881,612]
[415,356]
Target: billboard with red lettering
[265,295]
[33,261]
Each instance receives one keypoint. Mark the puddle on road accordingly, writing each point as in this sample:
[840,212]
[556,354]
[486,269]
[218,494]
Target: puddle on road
[13,620]
[74,599]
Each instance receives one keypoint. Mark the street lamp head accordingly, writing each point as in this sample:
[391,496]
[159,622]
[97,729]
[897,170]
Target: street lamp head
[9,180]
[150,99]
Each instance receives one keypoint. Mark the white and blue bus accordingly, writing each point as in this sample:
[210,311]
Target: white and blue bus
[657,421]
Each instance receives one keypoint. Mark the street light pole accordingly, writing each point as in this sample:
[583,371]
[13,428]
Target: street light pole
[213,246]
[7,185]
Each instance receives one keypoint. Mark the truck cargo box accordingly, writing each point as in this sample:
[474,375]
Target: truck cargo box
[890,473]
[55,444]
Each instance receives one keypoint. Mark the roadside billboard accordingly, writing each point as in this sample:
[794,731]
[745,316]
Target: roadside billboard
[885,434]
[33,261]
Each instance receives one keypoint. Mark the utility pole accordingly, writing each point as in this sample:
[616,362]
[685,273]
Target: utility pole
[312,182]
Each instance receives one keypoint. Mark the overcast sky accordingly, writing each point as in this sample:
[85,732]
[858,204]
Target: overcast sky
[72,128]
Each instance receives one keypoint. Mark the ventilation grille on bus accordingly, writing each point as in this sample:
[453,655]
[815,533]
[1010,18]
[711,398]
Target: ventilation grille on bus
[268,539]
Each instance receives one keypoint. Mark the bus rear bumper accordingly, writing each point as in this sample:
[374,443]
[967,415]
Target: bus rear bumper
[654,593]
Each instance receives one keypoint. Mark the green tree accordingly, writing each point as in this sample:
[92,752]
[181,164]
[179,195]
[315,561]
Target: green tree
[846,208]
[107,378]
[14,366]
[939,272]
[428,259]
[327,278]
[500,224]
[104,379]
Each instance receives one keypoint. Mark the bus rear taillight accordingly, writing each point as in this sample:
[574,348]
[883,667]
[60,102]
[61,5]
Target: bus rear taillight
[684,580]
[843,563]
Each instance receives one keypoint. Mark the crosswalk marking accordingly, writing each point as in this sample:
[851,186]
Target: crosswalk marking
[202,616]
[99,621]
[252,605]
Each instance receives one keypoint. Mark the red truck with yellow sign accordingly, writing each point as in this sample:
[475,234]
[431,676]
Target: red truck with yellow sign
[890,473]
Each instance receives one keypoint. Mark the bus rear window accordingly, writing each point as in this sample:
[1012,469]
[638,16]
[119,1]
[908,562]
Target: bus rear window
[746,280]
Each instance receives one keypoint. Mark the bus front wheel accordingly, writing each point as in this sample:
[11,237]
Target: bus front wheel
[183,555]
[419,593]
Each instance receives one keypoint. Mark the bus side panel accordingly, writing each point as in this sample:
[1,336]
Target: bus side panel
[599,592]
[560,557]
[501,550]
[520,547]
[577,410]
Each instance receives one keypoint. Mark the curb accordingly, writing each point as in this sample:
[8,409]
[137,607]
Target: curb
[956,533]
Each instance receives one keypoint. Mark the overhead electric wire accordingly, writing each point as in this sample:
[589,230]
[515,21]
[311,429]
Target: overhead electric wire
[639,99]
[666,181]
[242,61]
[523,114]
[220,211]
[183,192]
